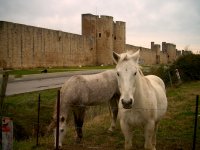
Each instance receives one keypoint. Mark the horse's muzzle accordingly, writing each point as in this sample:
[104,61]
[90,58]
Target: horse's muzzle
[127,104]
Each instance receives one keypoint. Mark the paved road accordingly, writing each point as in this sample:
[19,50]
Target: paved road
[39,82]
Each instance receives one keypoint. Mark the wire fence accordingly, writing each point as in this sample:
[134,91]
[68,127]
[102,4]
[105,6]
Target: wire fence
[31,114]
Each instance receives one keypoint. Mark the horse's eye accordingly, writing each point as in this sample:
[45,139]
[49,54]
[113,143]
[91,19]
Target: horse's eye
[117,73]
[62,119]
[135,73]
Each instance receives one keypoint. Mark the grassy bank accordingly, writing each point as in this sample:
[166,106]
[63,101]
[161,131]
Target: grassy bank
[21,72]
[175,130]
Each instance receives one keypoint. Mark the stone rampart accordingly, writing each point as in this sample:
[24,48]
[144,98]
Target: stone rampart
[23,46]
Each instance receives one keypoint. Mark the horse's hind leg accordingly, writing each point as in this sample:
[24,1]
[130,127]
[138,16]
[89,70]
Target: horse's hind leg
[113,111]
[79,115]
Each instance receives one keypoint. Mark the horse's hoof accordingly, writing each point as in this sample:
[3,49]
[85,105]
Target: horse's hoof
[59,147]
[78,140]
[110,130]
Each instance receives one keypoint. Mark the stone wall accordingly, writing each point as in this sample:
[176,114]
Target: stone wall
[147,56]
[155,55]
[23,46]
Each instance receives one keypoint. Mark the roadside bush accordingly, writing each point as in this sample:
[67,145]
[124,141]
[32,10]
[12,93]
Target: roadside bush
[188,66]
[162,72]
[23,109]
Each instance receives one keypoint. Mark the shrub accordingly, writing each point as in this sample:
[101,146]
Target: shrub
[162,72]
[188,66]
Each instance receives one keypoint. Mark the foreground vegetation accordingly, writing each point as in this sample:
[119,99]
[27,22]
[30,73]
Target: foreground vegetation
[175,130]
[188,68]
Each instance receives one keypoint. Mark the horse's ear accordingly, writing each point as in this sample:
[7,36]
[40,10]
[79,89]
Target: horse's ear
[116,57]
[136,56]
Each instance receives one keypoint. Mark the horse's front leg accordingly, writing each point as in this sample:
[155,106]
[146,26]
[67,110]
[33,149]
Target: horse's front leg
[114,111]
[150,135]
[126,129]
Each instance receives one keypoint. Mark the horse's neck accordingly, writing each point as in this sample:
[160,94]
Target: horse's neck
[140,92]
[141,84]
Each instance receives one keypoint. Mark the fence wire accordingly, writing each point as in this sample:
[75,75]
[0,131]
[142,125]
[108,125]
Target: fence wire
[170,134]
[175,130]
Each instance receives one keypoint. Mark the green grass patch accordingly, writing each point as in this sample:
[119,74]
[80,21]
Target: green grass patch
[19,73]
[175,130]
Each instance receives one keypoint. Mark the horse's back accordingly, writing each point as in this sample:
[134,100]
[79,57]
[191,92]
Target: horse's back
[73,89]
[101,86]
[156,81]
[90,88]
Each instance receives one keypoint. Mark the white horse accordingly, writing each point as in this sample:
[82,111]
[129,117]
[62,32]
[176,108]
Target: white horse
[82,91]
[143,99]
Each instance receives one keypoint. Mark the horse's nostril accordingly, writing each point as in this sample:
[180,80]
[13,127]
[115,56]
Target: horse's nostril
[131,100]
[127,104]
[123,101]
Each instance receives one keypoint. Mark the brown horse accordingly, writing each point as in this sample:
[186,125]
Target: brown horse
[82,91]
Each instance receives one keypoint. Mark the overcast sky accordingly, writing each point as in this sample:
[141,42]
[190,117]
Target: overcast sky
[172,21]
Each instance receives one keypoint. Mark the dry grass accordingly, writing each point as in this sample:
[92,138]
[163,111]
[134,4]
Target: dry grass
[175,130]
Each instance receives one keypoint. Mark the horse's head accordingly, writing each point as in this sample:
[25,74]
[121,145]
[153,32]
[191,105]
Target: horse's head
[127,72]
[62,130]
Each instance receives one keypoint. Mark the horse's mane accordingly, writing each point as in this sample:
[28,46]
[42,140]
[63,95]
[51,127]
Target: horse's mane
[142,75]
[123,57]
[139,68]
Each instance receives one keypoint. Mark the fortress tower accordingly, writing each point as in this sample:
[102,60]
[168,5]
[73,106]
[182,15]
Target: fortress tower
[119,36]
[170,50]
[89,25]
[104,40]
[109,36]
[156,49]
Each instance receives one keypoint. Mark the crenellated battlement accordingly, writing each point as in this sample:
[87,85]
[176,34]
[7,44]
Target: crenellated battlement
[24,46]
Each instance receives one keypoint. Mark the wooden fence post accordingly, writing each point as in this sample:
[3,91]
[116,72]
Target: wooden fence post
[170,79]
[7,133]
[196,122]
[3,85]
[38,121]
[58,119]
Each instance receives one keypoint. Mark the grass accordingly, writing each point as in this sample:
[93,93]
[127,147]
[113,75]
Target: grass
[175,130]
[20,72]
